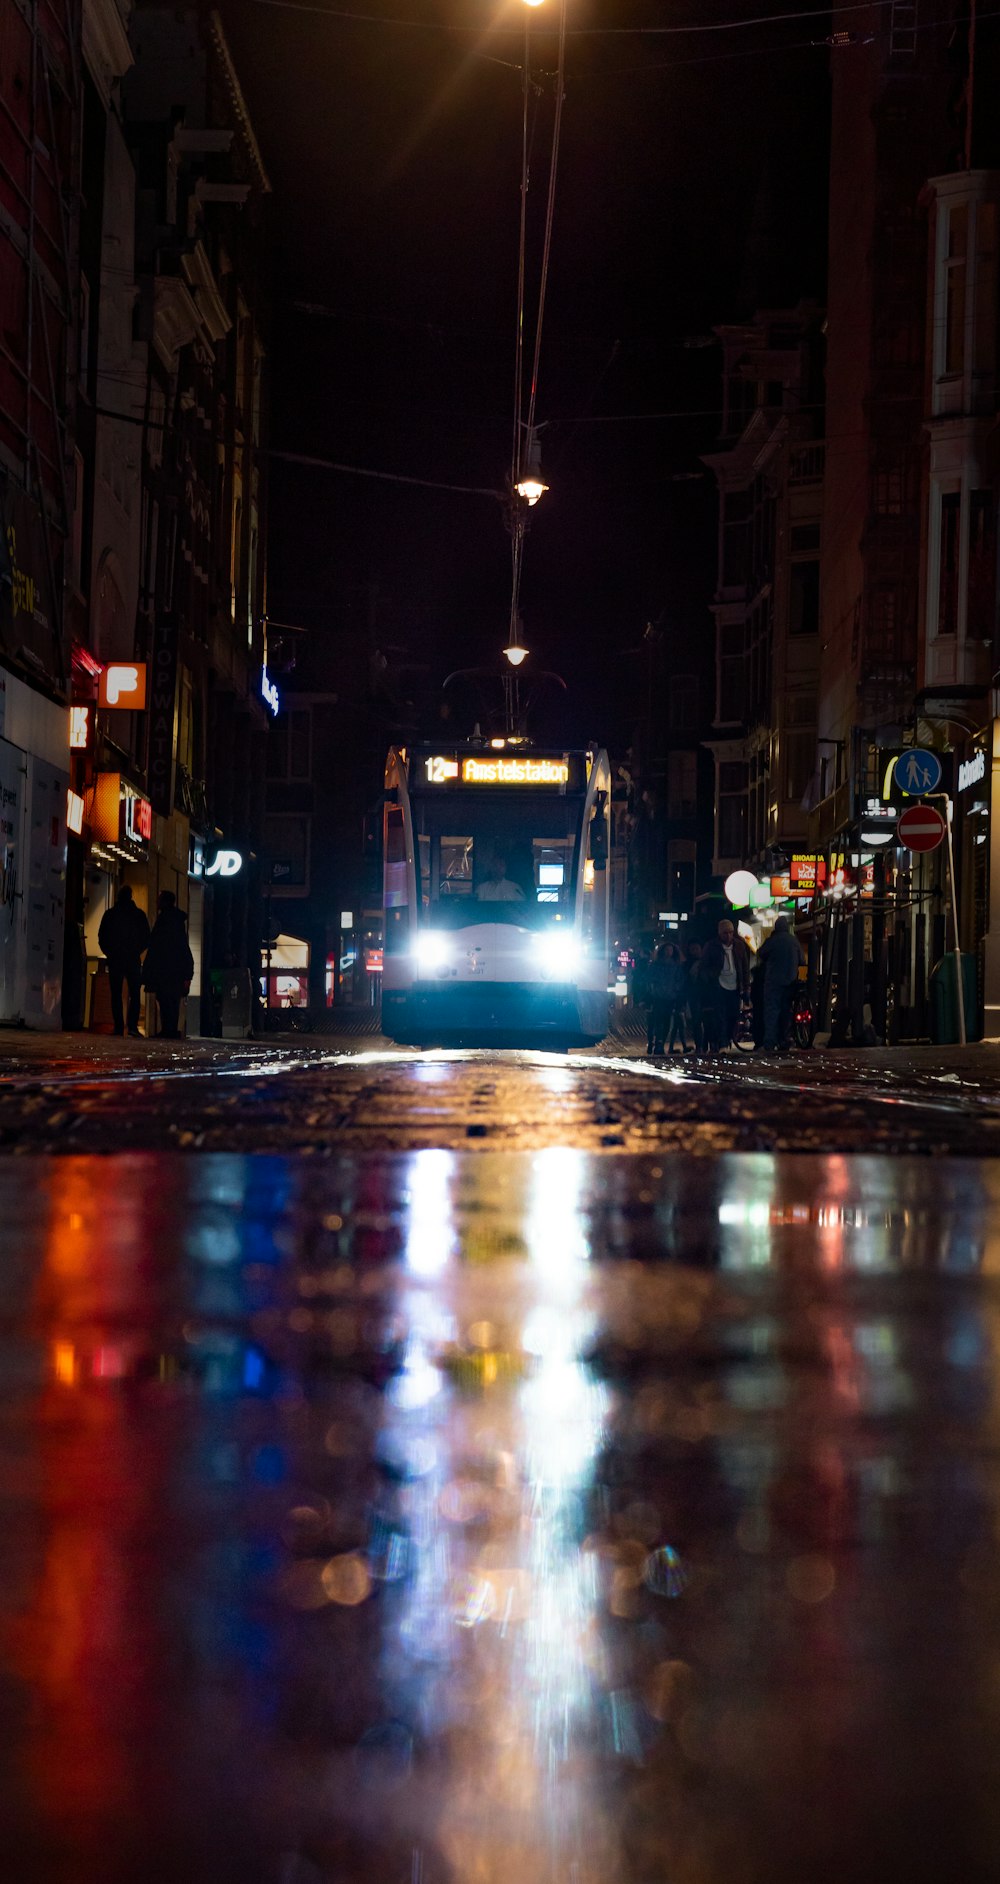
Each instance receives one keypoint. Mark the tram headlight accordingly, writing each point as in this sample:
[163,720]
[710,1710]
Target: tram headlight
[560,956]
[432,949]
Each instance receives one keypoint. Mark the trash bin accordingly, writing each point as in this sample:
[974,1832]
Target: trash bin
[943,988]
[237,988]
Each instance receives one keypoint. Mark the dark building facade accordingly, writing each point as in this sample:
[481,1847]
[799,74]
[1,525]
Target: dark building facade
[171,402]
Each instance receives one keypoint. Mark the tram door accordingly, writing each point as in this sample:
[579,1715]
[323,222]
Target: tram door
[395,897]
[597,881]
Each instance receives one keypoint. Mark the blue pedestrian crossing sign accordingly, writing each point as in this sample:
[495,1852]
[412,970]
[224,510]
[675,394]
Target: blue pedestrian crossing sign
[918,770]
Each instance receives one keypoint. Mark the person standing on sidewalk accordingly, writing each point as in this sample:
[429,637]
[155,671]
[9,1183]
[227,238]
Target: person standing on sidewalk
[692,995]
[725,975]
[780,960]
[665,990]
[123,938]
[169,964]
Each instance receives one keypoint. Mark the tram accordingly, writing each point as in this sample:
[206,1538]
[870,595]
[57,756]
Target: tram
[496,896]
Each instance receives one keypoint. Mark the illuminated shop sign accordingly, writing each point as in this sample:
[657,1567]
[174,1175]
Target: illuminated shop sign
[123,684]
[225,863]
[79,728]
[120,818]
[440,770]
[269,691]
[205,861]
[74,813]
[972,770]
[806,874]
[138,820]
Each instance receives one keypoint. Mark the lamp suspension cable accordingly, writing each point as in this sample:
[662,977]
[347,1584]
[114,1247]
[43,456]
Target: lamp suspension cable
[515,454]
[550,208]
[524,452]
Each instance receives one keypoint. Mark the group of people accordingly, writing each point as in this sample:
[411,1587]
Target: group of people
[709,992]
[125,938]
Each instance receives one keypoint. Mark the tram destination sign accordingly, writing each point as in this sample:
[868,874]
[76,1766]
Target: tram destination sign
[494,769]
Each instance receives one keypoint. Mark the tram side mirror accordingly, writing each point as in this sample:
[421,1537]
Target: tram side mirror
[599,840]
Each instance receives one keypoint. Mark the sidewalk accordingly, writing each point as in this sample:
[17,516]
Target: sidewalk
[945,1073]
[23,1051]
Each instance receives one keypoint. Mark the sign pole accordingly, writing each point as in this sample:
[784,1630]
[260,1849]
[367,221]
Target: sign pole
[962,1041]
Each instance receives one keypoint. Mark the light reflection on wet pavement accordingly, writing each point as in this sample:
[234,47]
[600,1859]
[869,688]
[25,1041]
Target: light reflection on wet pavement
[456,1518]
[392,1099]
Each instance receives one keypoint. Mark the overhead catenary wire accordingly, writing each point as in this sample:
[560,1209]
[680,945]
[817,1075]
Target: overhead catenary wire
[583,32]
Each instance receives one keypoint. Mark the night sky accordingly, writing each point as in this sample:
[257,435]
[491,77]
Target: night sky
[691,189]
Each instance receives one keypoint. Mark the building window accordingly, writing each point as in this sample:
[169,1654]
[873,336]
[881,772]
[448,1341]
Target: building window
[882,625]
[732,826]
[682,858]
[800,763]
[730,691]
[803,600]
[735,519]
[299,757]
[888,491]
[277,748]
[286,853]
[956,266]
[949,550]
[806,464]
[982,567]
[682,703]
[986,288]
[800,709]
[289,743]
[682,784]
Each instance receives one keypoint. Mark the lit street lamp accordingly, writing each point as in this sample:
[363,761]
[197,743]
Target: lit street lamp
[530,484]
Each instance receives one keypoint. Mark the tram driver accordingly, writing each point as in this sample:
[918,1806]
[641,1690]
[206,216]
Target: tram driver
[497,886]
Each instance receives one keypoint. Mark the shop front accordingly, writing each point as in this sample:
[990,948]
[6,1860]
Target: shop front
[120,821]
[34,782]
[284,981]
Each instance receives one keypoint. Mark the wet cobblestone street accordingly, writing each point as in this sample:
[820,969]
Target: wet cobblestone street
[531,1500]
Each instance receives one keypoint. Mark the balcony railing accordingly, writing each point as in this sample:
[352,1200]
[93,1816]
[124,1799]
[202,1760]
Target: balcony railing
[806,464]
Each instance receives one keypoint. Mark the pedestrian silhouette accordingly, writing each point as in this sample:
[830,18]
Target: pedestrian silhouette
[123,937]
[169,964]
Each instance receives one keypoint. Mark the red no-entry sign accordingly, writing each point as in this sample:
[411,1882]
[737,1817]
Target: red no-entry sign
[921,828]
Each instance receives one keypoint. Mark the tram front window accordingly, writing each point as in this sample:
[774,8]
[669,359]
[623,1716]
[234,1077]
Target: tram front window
[520,871]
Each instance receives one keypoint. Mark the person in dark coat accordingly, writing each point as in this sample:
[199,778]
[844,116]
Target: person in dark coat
[725,979]
[123,938]
[665,994]
[780,960]
[693,996]
[169,964]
